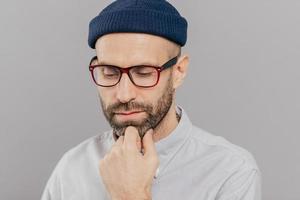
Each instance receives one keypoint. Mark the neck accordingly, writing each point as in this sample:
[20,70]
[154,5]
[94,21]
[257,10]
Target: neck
[167,125]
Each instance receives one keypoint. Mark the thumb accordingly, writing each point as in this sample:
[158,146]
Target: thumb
[148,143]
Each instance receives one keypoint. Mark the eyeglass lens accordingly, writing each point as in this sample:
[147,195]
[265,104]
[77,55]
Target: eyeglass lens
[141,75]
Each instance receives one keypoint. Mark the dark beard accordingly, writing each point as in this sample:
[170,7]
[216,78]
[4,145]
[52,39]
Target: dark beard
[152,120]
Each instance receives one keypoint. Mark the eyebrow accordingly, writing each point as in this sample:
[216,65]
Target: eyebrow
[140,64]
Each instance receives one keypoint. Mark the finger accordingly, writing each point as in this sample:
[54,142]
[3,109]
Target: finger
[148,143]
[132,139]
[120,141]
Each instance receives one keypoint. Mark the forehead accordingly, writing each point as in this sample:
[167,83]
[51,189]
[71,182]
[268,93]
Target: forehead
[129,48]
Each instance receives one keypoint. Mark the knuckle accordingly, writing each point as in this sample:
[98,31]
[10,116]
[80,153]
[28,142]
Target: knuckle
[115,152]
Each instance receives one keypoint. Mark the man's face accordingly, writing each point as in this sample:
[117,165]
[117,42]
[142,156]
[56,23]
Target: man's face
[151,104]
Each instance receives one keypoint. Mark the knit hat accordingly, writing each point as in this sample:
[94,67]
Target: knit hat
[156,17]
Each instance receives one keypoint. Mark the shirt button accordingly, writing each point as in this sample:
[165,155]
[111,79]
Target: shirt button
[156,173]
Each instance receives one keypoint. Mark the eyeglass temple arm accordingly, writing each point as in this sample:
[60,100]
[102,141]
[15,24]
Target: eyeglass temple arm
[170,63]
[95,57]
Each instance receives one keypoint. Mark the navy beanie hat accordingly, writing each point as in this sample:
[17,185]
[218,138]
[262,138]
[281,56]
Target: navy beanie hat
[156,17]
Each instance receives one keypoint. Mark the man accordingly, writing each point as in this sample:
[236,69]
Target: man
[153,150]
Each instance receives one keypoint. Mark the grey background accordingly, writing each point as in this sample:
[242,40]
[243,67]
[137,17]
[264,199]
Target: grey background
[243,84]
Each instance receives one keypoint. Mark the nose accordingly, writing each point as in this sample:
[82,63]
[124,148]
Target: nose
[125,89]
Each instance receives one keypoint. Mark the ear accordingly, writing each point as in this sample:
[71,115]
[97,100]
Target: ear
[180,70]
[94,60]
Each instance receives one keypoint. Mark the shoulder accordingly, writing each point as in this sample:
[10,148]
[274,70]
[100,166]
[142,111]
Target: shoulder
[96,142]
[233,155]
[89,150]
[237,167]
[76,165]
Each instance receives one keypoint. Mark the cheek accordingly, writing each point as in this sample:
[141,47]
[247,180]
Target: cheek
[155,93]
[105,95]
[165,81]
[152,95]
[143,95]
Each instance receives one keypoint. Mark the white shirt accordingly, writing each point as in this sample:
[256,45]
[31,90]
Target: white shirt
[194,165]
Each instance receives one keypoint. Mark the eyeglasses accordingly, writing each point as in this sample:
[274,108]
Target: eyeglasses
[140,75]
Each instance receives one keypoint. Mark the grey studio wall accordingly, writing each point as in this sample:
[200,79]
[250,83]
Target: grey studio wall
[243,84]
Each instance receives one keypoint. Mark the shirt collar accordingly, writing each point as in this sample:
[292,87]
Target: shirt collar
[177,136]
[168,147]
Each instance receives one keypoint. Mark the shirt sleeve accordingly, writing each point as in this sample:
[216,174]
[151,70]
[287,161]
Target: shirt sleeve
[52,189]
[245,184]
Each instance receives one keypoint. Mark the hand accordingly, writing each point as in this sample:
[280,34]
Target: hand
[126,173]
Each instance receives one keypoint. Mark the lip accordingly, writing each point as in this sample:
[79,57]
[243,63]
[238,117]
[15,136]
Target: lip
[127,113]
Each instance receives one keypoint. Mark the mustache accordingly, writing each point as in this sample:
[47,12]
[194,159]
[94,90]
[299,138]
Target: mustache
[117,107]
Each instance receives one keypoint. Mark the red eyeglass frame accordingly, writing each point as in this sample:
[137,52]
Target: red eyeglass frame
[166,65]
